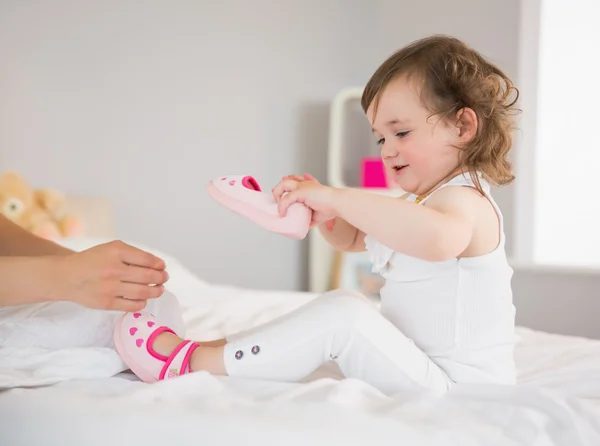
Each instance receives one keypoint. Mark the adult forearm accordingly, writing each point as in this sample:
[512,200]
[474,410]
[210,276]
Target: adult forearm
[344,236]
[16,241]
[401,225]
[26,280]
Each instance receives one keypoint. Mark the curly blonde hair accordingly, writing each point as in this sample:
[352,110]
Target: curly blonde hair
[454,76]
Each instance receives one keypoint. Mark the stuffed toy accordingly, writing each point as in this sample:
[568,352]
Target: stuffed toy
[39,211]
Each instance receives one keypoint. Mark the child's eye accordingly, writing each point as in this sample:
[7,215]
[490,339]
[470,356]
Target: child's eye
[399,135]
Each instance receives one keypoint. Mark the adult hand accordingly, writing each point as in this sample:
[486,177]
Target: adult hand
[111,276]
[306,189]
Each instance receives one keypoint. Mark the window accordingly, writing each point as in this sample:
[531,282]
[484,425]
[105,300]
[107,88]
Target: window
[566,204]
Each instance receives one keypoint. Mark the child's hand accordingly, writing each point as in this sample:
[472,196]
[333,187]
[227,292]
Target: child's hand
[306,189]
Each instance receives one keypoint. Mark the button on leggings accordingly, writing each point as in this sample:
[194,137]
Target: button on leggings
[341,326]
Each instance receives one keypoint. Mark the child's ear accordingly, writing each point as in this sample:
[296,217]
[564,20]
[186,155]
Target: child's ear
[466,124]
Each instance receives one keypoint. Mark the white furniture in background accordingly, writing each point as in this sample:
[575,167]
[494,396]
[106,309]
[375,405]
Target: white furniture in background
[344,104]
[350,139]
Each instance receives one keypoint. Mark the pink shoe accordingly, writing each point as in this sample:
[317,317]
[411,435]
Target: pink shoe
[134,335]
[243,195]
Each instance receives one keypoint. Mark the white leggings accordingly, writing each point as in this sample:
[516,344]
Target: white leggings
[341,326]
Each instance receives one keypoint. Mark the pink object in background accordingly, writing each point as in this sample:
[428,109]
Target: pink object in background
[373,173]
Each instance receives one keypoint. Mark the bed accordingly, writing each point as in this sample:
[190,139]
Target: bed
[556,401]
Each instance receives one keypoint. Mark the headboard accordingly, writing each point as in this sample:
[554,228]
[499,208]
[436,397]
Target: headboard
[96,213]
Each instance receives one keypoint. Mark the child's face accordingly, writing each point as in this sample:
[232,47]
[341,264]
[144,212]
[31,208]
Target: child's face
[420,152]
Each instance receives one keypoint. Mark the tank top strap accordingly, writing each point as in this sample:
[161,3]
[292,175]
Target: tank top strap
[464,179]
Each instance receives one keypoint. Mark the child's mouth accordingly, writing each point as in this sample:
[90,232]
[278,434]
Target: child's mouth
[399,168]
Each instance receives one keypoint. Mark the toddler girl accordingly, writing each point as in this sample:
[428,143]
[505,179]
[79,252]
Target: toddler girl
[442,116]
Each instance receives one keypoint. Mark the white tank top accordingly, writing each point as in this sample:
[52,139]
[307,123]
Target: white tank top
[460,311]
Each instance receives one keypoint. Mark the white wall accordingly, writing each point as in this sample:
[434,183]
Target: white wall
[557,300]
[145,102]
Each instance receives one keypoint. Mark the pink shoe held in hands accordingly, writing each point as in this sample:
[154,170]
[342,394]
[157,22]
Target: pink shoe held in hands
[134,336]
[243,195]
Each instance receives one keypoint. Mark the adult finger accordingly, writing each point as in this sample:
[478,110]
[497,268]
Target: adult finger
[283,187]
[309,177]
[134,256]
[136,291]
[128,305]
[143,276]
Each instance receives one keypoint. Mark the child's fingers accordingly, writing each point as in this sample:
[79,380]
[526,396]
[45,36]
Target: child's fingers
[283,187]
[287,200]
[308,176]
[294,178]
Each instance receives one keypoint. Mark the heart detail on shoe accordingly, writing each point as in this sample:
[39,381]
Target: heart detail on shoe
[136,315]
[232,182]
[150,323]
[132,330]
[139,342]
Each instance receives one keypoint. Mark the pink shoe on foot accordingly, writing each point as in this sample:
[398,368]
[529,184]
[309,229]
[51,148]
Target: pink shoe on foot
[243,195]
[134,336]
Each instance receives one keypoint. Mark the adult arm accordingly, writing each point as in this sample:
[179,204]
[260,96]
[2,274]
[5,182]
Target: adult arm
[112,276]
[16,241]
[27,280]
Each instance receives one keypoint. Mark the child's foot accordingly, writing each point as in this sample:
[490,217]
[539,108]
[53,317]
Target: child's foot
[166,342]
[134,338]
[154,352]
[206,357]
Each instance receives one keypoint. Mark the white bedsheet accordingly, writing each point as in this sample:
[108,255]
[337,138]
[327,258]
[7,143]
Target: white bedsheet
[557,400]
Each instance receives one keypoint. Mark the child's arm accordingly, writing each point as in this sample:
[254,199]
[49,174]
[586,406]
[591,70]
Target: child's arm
[439,231]
[16,241]
[344,237]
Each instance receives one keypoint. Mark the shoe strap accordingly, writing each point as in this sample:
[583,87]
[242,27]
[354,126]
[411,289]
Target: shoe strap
[178,362]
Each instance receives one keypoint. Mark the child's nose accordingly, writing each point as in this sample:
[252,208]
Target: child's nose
[389,150]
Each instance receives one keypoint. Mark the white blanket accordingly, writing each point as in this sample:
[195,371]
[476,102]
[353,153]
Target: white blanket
[557,400]
[49,343]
